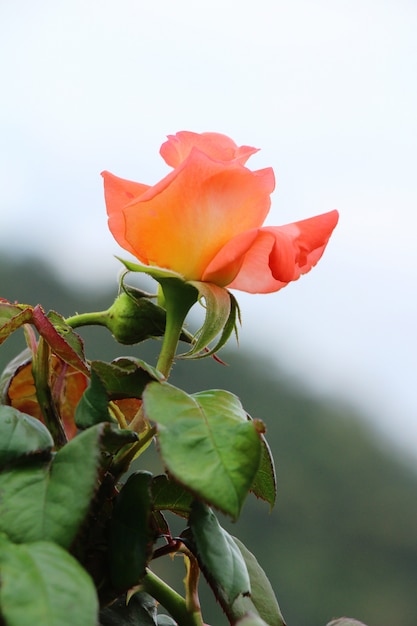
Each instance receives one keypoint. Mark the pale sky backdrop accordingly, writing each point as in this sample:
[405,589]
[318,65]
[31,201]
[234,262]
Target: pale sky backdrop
[326,88]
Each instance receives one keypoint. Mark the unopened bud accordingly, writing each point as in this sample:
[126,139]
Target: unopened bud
[132,320]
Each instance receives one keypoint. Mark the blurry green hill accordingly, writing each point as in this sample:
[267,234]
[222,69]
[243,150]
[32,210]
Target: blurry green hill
[342,539]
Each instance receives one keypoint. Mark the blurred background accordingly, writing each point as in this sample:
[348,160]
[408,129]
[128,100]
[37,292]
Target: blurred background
[328,91]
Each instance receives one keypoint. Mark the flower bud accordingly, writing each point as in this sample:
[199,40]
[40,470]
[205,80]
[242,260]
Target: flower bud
[132,320]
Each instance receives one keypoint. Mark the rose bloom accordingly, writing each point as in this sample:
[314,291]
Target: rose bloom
[204,219]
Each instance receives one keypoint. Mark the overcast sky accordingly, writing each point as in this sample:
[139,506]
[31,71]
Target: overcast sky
[326,89]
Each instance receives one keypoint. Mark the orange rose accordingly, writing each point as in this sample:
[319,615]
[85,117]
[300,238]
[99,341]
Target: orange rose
[204,219]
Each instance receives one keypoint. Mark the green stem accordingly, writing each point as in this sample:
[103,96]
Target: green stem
[179,298]
[125,456]
[87,319]
[40,369]
[171,600]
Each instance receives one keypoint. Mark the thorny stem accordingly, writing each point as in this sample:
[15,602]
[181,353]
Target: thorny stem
[191,582]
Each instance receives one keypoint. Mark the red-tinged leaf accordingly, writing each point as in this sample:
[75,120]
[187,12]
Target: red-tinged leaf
[67,385]
[54,336]
[12,317]
[67,332]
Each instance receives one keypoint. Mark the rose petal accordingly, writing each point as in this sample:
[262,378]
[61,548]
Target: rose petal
[118,192]
[281,254]
[215,145]
[183,221]
[309,237]
[226,264]
[204,219]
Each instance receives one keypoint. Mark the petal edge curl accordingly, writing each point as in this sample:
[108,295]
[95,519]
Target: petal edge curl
[214,145]
[281,254]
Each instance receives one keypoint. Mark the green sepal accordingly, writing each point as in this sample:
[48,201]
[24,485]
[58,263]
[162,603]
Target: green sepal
[156,272]
[222,311]
[130,536]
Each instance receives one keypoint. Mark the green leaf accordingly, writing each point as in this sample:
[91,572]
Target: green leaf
[42,584]
[167,495]
[264,485]
[262,596]
[114,439]
[50,500]
[122,378]
[22,435]
[219,557]
[206,442]
[125,377]
[165,620]
[140,610]
[93,408]
[251,620]
[130,537]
